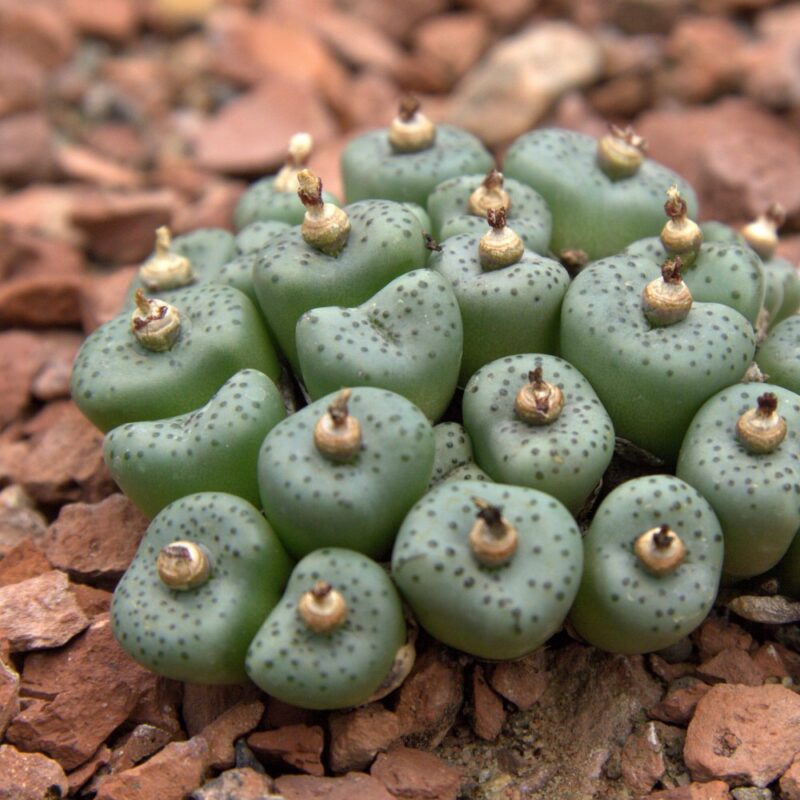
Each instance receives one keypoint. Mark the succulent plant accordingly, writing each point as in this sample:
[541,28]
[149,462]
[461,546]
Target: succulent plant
[742,453]
[207,572]
[339,257]
[164,359]
[187,260]
[510,298]
[652,565]
[487,568]
[535,421]
[406,338]
[333,638]
[255,235]
[344,470]
[726,272]
[406,161]
[779,356]
[453,459]
[275,197]
[212,448]
[602,195]
[651,354]
[782,276]
[460,205]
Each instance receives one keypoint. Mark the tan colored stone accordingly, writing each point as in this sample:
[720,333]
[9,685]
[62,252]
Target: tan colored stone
[398,20]
[24,561]
[222,733]
[280,714]
[743,735]
[19,519]
[297,745]
[249,134]
[236,784]
[716,635]
[488,714]
[680,701]
[171,774]
[703,59]
[79,695]
[93,601]
[732,665]
[416,774]
[38,29]
[26,153]
[45,209]
[103,298]
[40,612]
[29,776]
[22,80]
[521,78]
[711,146]
[430,698]
[9,696]
[456,41]
[213,209]
[790,781]
[522,681]
[357,736]
[669,672]
[713,790]
[64,459]
[41,302]
[83,164]
[112,19]
[358,42]
[119,227]
[141,81]
[348,787]
[202,704]
[370,102]
[643,759]
[777,661]
[81,776]
[93,541]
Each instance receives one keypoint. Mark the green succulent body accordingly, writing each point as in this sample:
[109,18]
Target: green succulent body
[491,612]
[756,497]
[291,277]
[651,379]
[255,235]
[789,278]
[315,502]
[725,273]
[504,311]
[453,459]
[213,448]
[591,211]
[406,338]
[207,250]
[345,666]
[565,458]
[371,168]
[622,606]
[116,380]
[261,202]
[779,356]
[788,570]
[201,635]
[528,215]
